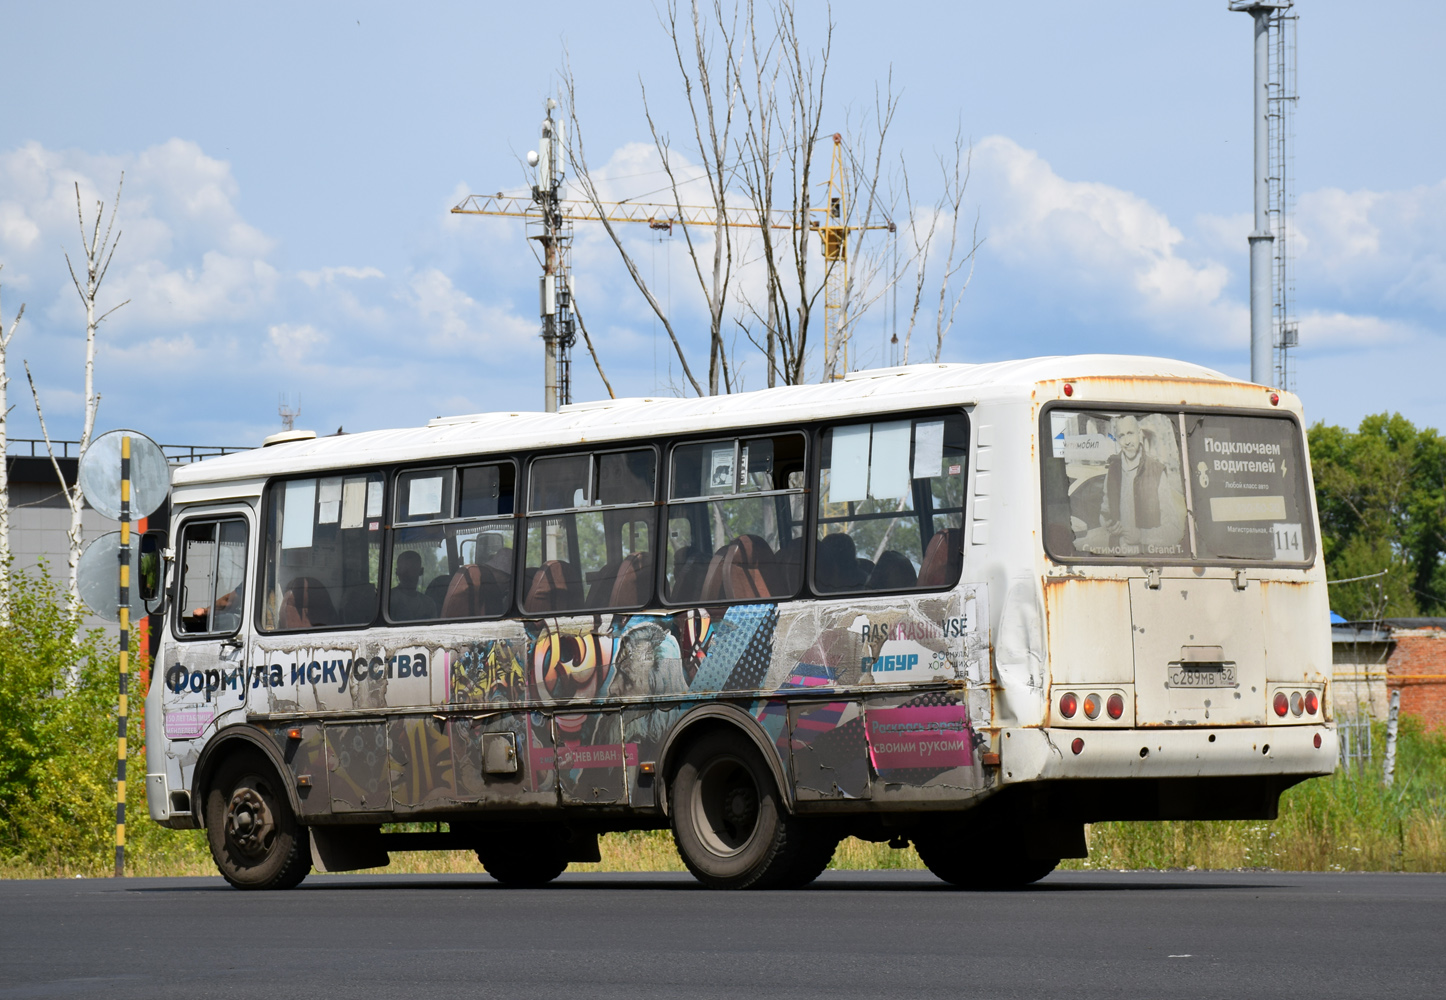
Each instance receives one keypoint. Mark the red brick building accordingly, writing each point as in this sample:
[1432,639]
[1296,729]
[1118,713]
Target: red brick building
[1373,659]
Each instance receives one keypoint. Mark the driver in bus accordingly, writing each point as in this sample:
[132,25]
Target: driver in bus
[1143,508]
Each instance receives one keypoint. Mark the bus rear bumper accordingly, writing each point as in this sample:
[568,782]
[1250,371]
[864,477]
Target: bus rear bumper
[1050,753]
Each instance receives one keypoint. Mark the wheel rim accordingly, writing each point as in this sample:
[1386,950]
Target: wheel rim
[250,821]
[725,806]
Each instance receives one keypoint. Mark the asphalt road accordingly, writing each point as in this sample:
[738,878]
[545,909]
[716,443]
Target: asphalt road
[851,934]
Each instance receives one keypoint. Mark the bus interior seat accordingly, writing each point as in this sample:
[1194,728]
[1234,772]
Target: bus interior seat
[743,569]
[690,569]
[307,604]
[476,592]
[633,584]
[437,590]
[556,587]
[942,559]
[359,605]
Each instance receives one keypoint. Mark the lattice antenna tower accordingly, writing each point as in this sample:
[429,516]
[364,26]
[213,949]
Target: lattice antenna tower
[1285,332]
[288,413]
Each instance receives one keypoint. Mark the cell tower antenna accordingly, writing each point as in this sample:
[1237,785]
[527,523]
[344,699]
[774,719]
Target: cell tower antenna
[1273,330]
[554,232]
[288,413]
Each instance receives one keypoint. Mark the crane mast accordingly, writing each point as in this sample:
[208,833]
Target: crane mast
[550,219]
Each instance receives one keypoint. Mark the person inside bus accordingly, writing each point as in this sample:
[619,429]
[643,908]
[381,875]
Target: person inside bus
[836,563]
[1143,508]
[406,602]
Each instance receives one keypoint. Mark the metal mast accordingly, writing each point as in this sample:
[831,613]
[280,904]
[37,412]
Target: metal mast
[1282,194]
[554,232]
[1266,13]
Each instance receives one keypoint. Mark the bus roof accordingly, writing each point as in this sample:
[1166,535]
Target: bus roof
[863,392]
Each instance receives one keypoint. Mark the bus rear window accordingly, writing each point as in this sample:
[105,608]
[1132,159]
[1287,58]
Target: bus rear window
[1115,486]
[1248,488]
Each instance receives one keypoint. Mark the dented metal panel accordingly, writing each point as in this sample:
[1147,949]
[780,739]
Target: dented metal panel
[592,758]
[420,755]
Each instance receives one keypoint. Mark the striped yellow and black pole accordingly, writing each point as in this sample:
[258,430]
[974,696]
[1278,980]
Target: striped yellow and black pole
[125,649]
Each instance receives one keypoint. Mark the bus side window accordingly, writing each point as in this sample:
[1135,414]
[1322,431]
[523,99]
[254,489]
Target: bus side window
[454,559]
[735,525]
[321,552]
[590,532]
[891,505]
[212,578]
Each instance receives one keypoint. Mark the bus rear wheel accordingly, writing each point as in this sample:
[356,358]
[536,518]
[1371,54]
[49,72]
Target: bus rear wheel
[522,867]
[730,824]
[1004,866]
[254,836]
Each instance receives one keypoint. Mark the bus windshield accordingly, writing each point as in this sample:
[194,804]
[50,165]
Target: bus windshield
[1174,486]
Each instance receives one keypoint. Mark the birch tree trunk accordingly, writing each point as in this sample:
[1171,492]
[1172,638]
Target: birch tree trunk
[5,336]
[99,251]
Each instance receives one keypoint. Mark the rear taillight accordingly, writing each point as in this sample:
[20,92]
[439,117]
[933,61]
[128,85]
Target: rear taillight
[1068,705]
[1281,704]
[1297,703]
[1115,706]
[1092,705]
[1312,703]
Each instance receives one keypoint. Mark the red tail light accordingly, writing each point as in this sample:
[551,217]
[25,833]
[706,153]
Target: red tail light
[1077,746]
[1115,706]
[1281,704]
[1312,703]
[1068,705]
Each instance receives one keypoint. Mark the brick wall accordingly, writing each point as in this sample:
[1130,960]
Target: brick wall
[1417,668]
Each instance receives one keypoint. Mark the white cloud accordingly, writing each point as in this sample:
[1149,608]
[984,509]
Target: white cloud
[453,323]
[294,343]
[330,275]
[1110,249]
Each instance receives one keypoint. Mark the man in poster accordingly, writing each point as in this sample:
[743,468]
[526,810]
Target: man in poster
[1143,508]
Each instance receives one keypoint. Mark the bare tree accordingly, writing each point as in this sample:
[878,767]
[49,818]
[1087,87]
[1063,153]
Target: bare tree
[5,336]
[99,251]
[924,225]
[756,98]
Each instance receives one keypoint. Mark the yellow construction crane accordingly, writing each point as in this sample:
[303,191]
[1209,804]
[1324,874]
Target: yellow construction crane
[555,215]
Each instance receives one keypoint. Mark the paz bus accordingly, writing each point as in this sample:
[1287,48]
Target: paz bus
[969,607]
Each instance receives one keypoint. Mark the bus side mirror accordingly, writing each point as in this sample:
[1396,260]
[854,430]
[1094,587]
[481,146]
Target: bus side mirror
[152,569]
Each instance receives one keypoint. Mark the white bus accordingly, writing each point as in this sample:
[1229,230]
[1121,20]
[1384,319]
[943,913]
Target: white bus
[971,607]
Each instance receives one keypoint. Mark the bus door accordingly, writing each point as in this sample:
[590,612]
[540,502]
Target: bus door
[205,668]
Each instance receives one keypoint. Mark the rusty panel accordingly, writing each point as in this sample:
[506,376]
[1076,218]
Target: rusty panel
[591,758]
[421,763]
[1089,631]
[830,754]
[1297,647]
[357,777]
[534,783]
[1174,623]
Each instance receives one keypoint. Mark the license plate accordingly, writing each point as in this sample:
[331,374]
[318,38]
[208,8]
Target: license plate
[1214,675]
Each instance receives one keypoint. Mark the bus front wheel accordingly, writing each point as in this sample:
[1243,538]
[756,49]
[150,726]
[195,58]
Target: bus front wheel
[731,825]
[254,836]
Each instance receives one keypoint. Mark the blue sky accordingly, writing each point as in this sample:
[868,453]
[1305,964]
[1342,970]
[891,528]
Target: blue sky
[289,170]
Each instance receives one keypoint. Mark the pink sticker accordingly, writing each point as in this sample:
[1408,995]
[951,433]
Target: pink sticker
[933,736]
[187,725]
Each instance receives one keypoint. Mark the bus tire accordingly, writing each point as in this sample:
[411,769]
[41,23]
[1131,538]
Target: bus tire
[812,860]
[1004,867]
[521,868]
[255,837]
[729,821]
